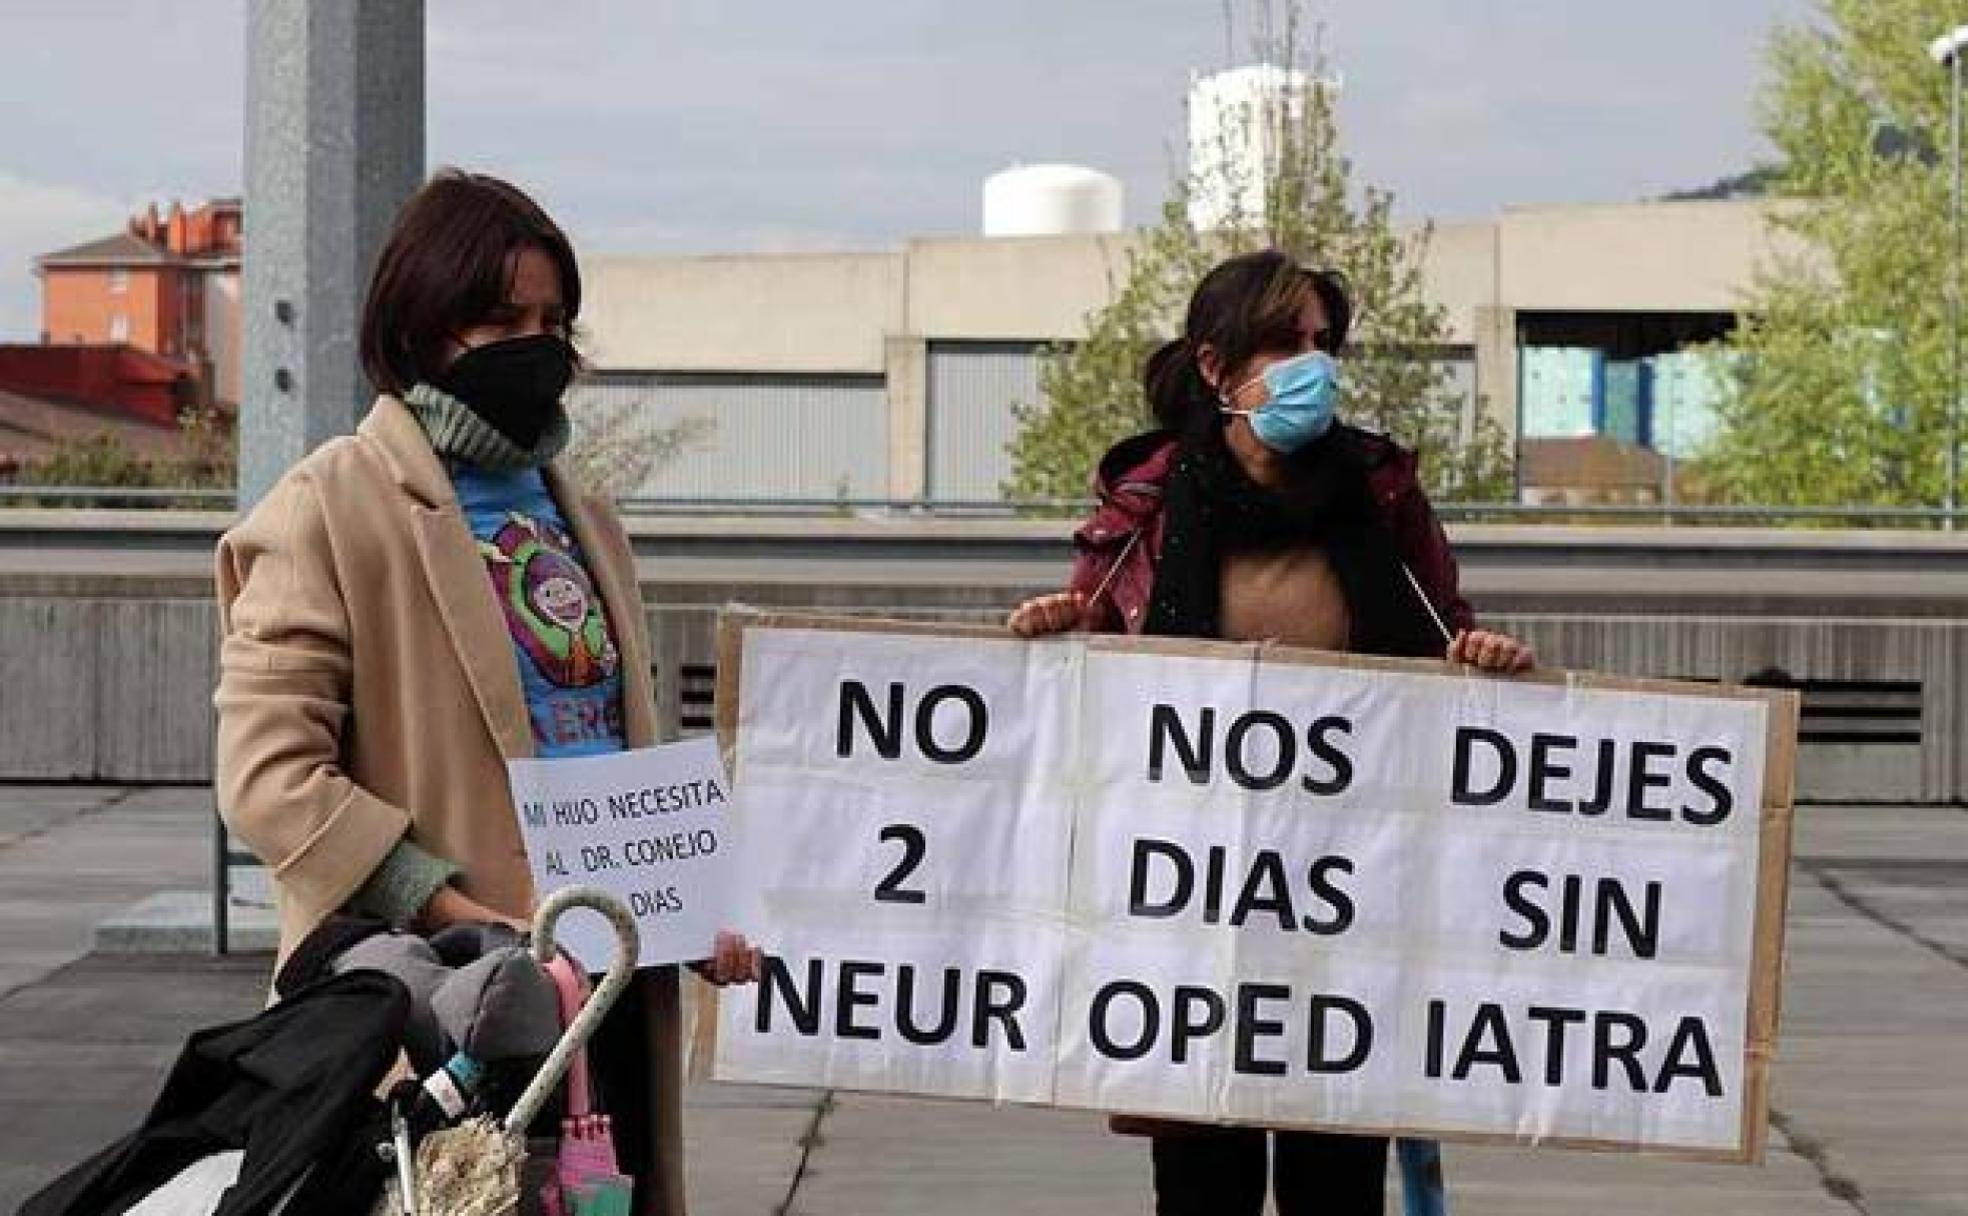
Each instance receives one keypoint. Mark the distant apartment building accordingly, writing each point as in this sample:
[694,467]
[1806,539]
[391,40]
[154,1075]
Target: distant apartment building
[167,284]
[135,327]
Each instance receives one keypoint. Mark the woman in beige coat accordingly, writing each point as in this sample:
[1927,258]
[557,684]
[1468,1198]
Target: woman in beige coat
[418,603]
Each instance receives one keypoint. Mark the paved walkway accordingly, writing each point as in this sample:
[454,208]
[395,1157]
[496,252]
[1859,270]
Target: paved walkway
[72,855]
[1871,1089]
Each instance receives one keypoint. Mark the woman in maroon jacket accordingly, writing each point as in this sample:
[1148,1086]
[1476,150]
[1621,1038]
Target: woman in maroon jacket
[1255,514]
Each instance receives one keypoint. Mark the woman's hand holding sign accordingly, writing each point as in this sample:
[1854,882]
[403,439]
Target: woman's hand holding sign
[1048,614]
[1487,650]
[734,961]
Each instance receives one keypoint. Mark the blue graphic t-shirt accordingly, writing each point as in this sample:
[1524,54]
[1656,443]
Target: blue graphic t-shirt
[569,667]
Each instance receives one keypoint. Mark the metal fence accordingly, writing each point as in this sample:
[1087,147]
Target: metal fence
[1728,515]
[117,497]
[761,438]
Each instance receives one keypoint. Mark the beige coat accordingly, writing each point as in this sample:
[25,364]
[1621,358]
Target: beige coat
[368,688]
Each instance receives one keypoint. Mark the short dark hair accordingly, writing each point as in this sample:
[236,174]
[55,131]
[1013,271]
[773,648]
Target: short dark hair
[448,263]
[1248,305]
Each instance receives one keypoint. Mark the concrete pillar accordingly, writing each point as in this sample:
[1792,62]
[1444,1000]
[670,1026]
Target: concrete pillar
[905,359]
[1496,367]
[334,144]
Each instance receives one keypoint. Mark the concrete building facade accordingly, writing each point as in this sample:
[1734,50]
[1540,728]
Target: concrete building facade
[941,339]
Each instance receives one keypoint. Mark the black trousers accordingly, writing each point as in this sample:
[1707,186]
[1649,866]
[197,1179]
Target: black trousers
[1221,1171]
[621,1057]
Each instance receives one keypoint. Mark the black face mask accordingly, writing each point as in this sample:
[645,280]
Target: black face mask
[513,384]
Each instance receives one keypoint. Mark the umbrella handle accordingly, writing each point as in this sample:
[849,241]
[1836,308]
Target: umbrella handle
[620,972]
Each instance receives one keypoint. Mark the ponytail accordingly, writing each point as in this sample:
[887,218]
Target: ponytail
[1181,399]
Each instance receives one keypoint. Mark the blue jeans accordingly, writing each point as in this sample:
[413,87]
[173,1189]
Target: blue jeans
[1422,1190]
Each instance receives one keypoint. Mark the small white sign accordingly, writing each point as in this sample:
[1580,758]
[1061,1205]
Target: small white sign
[650,826]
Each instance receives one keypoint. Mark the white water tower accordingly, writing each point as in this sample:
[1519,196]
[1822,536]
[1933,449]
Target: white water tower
[1234,119]
[1051,200]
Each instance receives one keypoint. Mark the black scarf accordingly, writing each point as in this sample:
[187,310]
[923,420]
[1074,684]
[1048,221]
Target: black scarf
[1215,509]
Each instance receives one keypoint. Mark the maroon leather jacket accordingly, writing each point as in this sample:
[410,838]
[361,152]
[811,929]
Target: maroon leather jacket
[1117,548]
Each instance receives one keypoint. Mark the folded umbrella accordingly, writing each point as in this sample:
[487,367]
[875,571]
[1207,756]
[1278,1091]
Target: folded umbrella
[476,1168]
[587,1179]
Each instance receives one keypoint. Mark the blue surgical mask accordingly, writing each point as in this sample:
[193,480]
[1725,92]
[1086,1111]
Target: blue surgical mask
[1302,394]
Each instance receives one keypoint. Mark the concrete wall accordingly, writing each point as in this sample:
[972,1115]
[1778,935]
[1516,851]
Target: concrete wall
[907,381]
[1648,257]
[119,691]
[878,312]
[831,312]
[106,689]
[759,313]
[1932,654]
[1460,273]
[1696,256]
[107,675]
[1011,288]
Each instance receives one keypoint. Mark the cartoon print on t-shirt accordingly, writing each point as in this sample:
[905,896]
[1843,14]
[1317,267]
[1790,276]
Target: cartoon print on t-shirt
[550,603]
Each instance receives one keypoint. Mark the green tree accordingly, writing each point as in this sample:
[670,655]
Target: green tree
[1840,395]
[1091,389]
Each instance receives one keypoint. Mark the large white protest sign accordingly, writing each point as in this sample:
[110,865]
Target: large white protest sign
[650,826]
[1242,884]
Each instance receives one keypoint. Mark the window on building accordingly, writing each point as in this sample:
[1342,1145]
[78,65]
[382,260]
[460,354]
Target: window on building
[119,328]
[1608,403]
[1639,378]
[119,281]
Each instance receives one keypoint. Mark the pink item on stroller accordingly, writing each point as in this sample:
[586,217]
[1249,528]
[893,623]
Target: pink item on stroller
[587,1180]
[486,1168]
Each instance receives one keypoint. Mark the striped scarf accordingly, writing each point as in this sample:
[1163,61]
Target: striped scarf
[457,433]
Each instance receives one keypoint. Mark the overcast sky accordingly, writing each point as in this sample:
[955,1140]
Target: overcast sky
[720,125]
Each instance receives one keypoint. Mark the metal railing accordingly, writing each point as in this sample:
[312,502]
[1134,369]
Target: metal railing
[116,497]
[846,507]
[1735,515]
[1729,515]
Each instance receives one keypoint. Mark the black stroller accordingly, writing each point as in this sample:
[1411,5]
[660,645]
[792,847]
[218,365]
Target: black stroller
[279,1114]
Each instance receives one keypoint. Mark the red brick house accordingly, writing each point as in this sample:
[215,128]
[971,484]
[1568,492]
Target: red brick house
[167,284]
